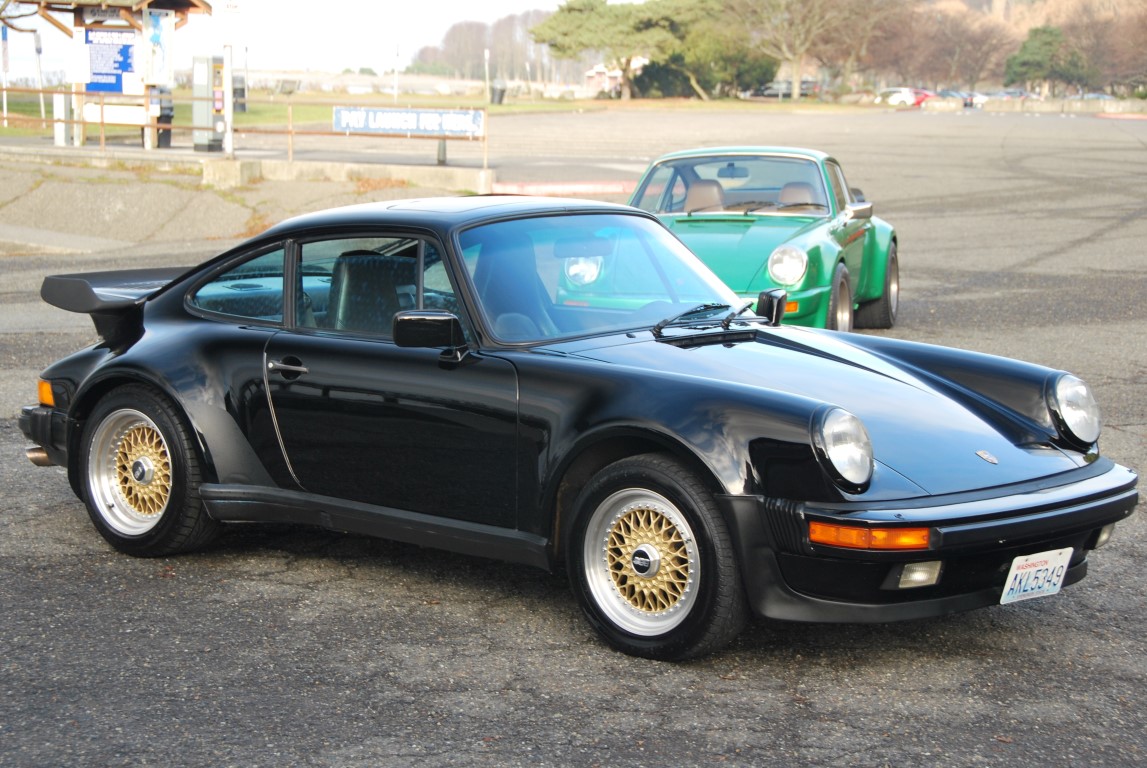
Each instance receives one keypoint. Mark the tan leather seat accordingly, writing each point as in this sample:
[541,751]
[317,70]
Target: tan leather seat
[704,194]
[797,193]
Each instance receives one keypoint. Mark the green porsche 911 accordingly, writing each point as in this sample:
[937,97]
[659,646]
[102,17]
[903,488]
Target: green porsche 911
[780,217]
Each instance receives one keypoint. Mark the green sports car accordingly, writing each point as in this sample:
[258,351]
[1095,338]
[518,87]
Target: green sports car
[779,217]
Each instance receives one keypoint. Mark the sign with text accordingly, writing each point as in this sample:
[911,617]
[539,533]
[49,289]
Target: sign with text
[111,61]
[428,123]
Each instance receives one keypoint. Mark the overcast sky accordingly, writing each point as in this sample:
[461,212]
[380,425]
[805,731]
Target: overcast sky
[289,34]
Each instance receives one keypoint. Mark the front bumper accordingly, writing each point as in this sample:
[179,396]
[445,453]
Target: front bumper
[976,540]
[47,428]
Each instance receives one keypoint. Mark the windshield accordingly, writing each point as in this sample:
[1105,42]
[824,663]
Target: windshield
[575,275]
[761,184]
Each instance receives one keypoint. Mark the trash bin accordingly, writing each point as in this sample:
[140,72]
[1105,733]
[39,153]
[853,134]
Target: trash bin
[163,108]
[163,139]
[498,92]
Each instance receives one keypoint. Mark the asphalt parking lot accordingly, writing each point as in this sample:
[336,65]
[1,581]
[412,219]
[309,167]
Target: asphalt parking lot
[1020,236]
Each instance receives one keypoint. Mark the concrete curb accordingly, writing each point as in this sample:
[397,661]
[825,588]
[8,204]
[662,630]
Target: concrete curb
[224,173]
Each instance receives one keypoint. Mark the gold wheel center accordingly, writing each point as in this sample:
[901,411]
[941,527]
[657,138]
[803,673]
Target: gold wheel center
[143,470]
[647,559]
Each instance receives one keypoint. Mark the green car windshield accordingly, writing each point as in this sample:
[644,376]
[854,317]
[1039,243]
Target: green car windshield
[575,275]
[742,183]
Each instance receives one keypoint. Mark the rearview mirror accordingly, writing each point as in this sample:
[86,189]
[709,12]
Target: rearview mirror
[730,171]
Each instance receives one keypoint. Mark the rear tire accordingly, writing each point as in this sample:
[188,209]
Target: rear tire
[881,313]
[140,475]
[651,561]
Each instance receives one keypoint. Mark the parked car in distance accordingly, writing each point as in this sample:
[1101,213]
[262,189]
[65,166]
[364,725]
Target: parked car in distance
[897,97]
[408,370]
[783,89]
[780,217]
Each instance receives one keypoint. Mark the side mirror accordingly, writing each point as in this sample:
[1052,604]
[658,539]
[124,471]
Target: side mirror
[771,305]
[860,210]
[429,329]
[857,195]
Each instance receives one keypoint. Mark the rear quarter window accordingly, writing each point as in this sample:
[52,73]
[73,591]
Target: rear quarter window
[252,290]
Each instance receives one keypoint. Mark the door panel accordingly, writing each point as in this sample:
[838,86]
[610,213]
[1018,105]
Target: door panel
[364,420]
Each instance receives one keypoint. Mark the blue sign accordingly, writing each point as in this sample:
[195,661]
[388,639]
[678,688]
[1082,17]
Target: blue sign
[111,54]
[429,123]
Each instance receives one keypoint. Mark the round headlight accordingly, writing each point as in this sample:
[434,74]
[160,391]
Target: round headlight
[1074,409]
[844,442]
[787,265]
[583,270]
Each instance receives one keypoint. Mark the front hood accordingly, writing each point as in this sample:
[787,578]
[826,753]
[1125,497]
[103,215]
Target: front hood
[937,438]
[736,246]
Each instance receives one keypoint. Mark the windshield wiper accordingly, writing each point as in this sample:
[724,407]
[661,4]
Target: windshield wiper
[729,318]
[661,326]
[802,205]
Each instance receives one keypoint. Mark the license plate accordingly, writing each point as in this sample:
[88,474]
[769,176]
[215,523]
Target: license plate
[1037,575]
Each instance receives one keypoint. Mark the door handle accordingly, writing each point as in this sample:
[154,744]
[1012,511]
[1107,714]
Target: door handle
[292,368]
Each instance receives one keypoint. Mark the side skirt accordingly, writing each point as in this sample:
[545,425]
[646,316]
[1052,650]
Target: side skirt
[257,504]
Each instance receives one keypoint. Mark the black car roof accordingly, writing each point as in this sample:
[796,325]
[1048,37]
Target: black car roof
[440,213]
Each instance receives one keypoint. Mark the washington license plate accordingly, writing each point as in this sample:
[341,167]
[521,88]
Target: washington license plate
[1037,575]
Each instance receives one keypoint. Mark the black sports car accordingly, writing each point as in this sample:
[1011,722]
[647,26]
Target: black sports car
[563,382]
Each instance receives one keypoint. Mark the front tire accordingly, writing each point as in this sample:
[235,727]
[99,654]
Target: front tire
[651,561]
[839,317]
[141,476]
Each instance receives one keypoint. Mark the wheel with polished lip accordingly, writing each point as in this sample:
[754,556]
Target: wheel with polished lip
[141,475]
[840,301]
[881,313]
[651,561]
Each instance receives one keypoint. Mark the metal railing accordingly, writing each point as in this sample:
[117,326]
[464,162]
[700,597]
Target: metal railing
[76,114]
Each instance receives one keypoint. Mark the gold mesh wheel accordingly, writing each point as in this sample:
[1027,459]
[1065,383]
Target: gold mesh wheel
[130,473]
[643,534]
[641,561]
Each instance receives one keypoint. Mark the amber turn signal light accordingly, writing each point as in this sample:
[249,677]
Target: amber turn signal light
[45,394]
[856,537]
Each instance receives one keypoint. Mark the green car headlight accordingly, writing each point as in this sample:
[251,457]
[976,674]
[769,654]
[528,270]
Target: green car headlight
[787,265]
[1073,409]
[844,447]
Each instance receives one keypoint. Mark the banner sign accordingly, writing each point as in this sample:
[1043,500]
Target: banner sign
[429,123]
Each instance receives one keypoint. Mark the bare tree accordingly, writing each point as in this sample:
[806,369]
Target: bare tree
[788,30]
[987,44]
[464,48]
[845,48]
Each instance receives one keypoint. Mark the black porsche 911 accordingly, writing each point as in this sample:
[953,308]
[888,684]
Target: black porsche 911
[562,383]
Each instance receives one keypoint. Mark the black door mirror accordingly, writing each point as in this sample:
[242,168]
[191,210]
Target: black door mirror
[771,304]
[427,328]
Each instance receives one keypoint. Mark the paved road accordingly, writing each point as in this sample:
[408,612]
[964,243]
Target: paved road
[1020,236]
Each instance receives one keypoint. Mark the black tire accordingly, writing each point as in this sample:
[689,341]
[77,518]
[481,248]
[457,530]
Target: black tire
[651,561]
[839,317]
[140,475]
[881,313]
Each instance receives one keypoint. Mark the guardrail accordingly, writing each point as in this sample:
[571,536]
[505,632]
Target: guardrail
[75,114]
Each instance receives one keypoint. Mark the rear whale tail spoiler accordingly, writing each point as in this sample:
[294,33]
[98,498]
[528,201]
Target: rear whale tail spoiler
[109,298]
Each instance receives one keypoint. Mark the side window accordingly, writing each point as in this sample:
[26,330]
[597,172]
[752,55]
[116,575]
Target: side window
[251,291]
[654,192]
[839,186]
[357,284]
